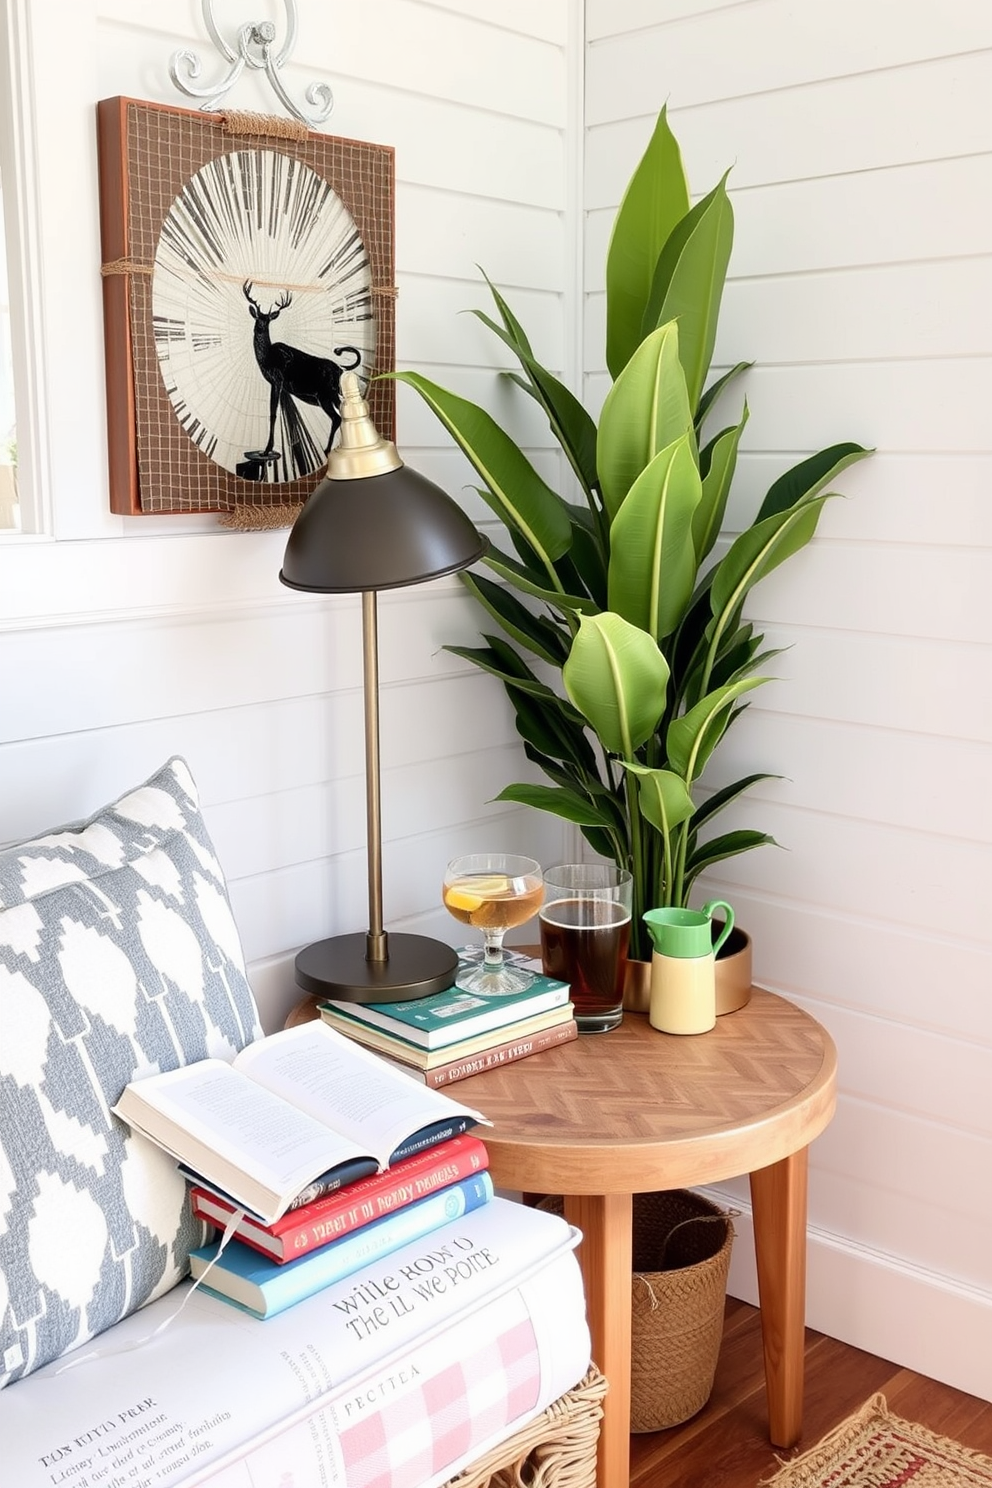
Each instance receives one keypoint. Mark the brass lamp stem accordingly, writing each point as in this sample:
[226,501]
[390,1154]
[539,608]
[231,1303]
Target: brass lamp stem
[377,942]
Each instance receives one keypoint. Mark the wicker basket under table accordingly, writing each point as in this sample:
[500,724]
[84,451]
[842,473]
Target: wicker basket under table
[555,1450]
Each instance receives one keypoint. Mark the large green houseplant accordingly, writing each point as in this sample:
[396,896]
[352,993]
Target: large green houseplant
[618,588]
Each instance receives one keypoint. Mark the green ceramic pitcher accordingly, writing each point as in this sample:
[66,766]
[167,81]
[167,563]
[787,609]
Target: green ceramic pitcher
[688,932]
[683,979]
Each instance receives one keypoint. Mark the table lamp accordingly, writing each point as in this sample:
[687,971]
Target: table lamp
[374,524]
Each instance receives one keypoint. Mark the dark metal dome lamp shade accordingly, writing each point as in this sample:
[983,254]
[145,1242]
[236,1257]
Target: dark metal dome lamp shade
[374,524]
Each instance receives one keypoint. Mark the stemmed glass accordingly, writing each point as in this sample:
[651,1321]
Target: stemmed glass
[493,892]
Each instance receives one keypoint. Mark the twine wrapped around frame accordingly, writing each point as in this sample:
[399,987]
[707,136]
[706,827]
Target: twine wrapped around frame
[260,518]
[271,126]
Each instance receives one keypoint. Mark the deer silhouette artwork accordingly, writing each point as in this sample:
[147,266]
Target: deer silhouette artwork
[292,373]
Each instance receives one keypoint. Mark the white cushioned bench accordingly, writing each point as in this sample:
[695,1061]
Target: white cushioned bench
[119,956]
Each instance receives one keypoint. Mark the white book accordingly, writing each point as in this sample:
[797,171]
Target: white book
[287,1110]
[191,1401]
[492,1370]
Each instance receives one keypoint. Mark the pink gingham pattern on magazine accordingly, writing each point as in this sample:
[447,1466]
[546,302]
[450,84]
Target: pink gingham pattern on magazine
[429,1423]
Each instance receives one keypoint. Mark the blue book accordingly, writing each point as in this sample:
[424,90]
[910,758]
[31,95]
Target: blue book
[258,1285]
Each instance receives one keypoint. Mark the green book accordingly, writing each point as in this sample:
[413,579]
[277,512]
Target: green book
[451,1016]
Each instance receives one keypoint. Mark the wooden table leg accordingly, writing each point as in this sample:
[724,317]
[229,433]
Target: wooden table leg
[778,1199]
[605,1258]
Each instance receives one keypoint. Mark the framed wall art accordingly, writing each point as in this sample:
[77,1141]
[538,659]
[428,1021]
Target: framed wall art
[247,262]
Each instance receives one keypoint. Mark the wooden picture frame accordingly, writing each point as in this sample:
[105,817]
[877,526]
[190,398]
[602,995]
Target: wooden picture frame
[212,227]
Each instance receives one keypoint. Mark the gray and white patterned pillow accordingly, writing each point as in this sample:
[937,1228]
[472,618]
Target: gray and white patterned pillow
[119,956]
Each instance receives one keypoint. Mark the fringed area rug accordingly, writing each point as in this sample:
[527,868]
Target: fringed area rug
[874,1449]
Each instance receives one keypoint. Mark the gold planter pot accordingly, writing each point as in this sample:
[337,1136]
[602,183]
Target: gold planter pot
[733,976]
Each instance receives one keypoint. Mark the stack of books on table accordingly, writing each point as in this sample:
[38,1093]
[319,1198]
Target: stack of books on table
[451,1035]
[313,1157]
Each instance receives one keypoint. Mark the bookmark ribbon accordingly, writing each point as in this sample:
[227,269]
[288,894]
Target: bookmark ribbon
[103,1351]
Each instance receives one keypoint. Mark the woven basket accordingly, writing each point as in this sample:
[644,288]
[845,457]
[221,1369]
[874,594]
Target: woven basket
[681,1256]
[555,1450]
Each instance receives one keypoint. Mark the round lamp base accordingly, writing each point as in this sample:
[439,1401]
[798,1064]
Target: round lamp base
[339,969]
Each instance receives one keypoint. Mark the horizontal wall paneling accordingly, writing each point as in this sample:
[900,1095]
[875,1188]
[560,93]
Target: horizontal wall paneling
[860,285]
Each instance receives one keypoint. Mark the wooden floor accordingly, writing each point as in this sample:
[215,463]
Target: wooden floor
[726,1445]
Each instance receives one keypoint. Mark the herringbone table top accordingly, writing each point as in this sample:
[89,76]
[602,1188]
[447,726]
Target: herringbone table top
[634,1110]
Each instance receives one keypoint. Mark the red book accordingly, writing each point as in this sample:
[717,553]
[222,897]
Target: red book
[337,1214]
[499,1054]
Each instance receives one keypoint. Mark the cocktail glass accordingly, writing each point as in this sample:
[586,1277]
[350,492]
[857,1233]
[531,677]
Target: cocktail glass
[493,892]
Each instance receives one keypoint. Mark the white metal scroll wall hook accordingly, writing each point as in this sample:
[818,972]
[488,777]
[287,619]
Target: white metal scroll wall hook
[256,49]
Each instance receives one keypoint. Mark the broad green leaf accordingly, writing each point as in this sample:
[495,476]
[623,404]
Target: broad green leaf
[573,776]
[568,578]
[688,283]
[570,422]
[506,663]
[573,583]
[656,198]
[523,578]
[513,487]
[646,409]
[686,648]
[726,721]
[652,559]
[586,553]
[764,657]
[532,570]
[702,662]
[605,844]
[564,803]
[718,849]
[736,658]
[742,660]
[520,382]
[662,796]
[718,463]
[545,725]
[512,326]
[489,660]
[533,632]
[757,552]
[808,477]
[691,739]
[723,797]
[716,388]
[616,677]
[538,727]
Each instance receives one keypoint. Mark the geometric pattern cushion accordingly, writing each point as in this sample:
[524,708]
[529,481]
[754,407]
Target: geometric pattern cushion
[119,956]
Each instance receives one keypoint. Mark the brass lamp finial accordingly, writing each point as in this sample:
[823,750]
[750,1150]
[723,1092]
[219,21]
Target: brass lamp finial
[361,450]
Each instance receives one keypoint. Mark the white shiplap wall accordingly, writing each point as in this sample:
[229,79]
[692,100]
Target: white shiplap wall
[861,286]
[125,640]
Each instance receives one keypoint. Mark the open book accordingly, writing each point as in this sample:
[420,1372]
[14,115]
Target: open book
[287,1110]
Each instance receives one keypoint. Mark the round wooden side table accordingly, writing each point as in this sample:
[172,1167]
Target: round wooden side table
[631,1111]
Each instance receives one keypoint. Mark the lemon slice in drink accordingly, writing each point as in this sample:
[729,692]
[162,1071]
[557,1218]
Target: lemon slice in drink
[476,890]
[458,899]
